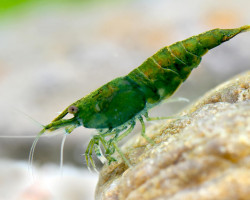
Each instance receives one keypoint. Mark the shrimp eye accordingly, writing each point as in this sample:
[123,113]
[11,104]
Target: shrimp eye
[73,109]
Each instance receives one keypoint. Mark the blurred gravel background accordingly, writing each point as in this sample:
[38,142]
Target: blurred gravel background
[54,53]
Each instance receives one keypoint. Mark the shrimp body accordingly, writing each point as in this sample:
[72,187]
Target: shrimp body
[114,108]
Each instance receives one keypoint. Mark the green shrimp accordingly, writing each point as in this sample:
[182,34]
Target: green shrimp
[114,108]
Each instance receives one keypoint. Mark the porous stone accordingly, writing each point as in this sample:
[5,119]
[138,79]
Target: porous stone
[205,154]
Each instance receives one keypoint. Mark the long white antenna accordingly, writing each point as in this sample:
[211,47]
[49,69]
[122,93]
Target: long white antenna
[61,153]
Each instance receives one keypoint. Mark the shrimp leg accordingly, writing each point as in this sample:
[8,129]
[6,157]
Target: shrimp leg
[159,118]
[143,131]
[88,155]
[117,139]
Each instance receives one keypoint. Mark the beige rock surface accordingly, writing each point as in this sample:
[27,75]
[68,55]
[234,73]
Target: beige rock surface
[203,155]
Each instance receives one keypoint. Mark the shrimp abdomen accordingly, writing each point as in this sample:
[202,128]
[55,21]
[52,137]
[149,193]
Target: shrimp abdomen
[162,73]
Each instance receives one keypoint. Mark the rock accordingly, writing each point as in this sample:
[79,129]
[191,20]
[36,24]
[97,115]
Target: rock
[203,155]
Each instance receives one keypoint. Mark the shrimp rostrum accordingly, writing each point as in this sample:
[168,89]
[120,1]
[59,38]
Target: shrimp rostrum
[114,108]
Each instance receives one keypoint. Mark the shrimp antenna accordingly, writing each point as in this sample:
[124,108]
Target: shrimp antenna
[29,117]
[32,150]
[18,137]
[24,136]
[61,153]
